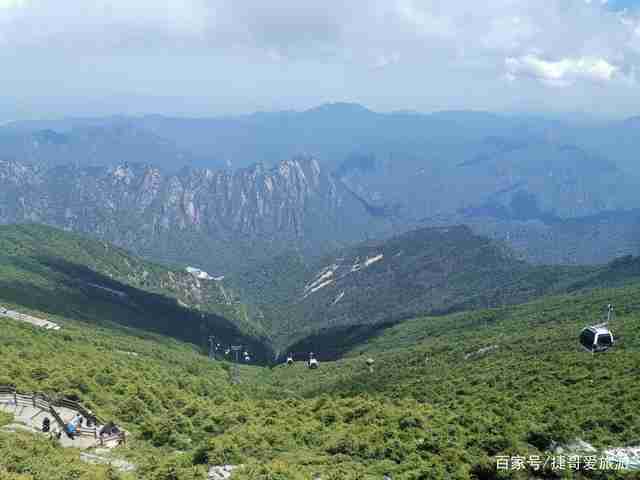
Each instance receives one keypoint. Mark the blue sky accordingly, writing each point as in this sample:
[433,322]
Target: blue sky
[621,4]
[206,57]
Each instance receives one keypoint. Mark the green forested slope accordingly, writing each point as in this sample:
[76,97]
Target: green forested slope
[536,386]
[63,273]
[424,412]
[425,271]
[432,408]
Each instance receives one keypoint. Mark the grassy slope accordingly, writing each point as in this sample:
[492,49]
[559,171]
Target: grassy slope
[51,270]
[424,412]
[160,395]
[537,386]
[441,418]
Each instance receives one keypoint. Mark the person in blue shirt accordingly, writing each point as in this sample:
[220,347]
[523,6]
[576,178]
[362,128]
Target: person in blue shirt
[71,430]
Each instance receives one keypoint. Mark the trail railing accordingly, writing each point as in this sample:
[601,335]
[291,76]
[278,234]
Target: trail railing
[9,395]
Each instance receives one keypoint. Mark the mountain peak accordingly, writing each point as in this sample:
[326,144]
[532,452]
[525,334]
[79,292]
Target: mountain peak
[343,108]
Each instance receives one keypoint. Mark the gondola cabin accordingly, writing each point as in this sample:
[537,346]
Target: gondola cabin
[596,339]
[312,362]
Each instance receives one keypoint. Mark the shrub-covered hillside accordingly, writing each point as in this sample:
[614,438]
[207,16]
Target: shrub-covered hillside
[161,390]
[425,412]
[532,385]
[429,270]
[63,273]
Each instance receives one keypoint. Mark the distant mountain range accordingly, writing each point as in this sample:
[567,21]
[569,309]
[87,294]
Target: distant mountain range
[177,188]
[220,220]
[593,239]
[93,143]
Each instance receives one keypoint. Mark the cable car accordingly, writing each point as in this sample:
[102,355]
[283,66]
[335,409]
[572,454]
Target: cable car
[312,363]
[598,338]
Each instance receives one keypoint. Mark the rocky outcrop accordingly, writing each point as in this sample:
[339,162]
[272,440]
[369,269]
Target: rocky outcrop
[142,208]
[221,472]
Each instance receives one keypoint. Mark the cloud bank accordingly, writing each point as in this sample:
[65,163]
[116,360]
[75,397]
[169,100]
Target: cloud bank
[458,51]
[561,73]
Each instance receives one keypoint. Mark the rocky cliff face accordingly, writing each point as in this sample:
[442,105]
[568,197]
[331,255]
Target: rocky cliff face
[198,215]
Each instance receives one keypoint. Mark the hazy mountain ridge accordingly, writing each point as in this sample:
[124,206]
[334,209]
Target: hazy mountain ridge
[96,142]
[594,239]
[265,210]
[330,131]
[521,179]
[562,180]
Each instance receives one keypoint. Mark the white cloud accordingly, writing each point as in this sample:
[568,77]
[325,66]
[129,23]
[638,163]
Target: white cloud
[441,46]
[560,73]
[11,3]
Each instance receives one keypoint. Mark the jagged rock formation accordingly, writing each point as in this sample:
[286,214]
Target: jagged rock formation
[192,214]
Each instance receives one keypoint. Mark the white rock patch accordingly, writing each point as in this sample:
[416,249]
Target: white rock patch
[222,472]
[318,287]
[200,274]
[322,280]
[372,260]
[338,298]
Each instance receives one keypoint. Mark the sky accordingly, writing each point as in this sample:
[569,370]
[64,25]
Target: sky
[212,57]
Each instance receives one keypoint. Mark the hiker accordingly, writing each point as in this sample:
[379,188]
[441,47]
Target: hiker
[106,429]
[109,429]
[77,421]
[71,430]
[46,425]
[91,418]
[370,361]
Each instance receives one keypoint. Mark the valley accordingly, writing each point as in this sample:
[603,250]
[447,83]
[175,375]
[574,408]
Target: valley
[440,268]
[437,401]
[320,240]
